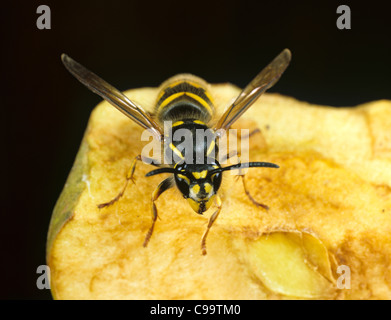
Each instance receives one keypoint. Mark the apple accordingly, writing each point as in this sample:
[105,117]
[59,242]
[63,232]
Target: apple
[325,236]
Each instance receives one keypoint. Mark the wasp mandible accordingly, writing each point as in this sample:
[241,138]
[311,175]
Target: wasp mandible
[186,103]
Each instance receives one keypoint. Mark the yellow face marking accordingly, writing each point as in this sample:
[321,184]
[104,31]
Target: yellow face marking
[176,151]
[208,187]
[184,178]
[198,121]
[193,204]
[196,175]
[203,174]
[178,123]
[209,202]
[211,148]
[200,175]
[195,189]
[196,206]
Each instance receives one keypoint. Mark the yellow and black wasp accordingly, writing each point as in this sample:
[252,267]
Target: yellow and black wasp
[185,103]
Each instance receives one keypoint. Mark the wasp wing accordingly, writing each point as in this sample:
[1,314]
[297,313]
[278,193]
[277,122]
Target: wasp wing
[112,95]
[263,81]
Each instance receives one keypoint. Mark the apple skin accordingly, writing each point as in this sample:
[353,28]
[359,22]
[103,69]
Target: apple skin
[330,206]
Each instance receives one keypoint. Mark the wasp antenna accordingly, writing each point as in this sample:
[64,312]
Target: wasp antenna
[245,165]
[161,170]
[260,164]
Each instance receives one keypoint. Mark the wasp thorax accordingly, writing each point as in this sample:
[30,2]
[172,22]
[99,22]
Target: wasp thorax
[190,141]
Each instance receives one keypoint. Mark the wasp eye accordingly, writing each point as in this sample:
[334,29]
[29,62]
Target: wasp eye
[216,181]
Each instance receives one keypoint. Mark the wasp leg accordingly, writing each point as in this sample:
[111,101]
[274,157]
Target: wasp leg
[210,223]
[258,204]
[129,176]
[250,197]
[240,174]
[163,186]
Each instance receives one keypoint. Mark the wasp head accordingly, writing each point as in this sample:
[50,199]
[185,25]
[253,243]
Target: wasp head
[198,183]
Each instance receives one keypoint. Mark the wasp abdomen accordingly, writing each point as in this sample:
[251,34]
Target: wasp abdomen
[184,97]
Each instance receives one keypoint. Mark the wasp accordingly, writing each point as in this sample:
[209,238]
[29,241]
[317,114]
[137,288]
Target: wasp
[185,102]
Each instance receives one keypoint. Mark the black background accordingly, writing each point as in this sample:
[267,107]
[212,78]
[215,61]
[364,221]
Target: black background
[141,43]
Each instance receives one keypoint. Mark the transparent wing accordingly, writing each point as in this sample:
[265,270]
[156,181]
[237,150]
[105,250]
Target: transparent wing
[263,81]
[112,95]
